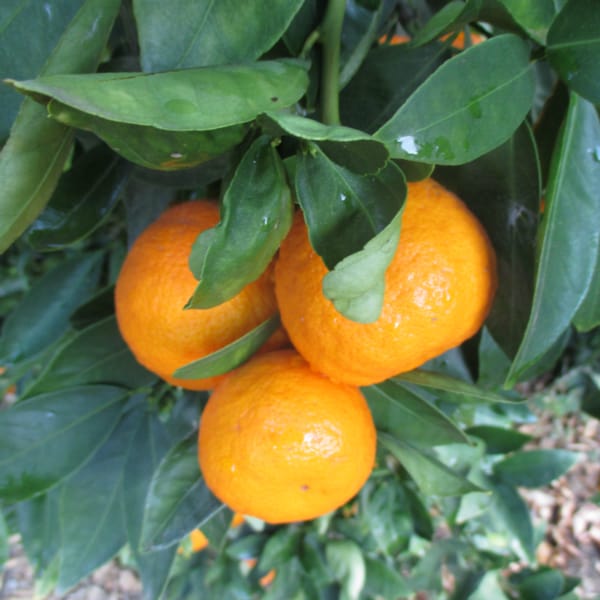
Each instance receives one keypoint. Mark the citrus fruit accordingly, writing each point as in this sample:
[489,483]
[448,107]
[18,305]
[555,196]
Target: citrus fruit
[154,285]
[438,291]
[458,42]
[283,443]
[199,541]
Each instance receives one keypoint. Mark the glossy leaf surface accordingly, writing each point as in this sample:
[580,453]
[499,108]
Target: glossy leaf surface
[203,32]
[187,100]
[178,499]
[574,47]
[45,438]
[32,159]
[470,105]
[534,468]
[232,355]
[569,237]
[256,214]
[534,17]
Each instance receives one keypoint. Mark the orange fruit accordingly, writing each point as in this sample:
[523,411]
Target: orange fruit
[439,289]
[155,283]
[267,578]
[283,443]
[458,42]
[199,541]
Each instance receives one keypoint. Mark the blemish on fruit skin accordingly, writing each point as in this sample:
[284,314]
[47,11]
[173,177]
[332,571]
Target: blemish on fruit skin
[305,487]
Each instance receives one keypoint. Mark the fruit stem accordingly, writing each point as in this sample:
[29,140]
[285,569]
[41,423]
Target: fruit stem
[331,33]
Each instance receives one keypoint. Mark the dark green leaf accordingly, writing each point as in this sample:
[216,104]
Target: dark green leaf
[303,24]
[376,91]
[348,147]
[499,440]
[588,314]
[202,32]
[96,354]
[256,215]
[46,438]
[467,392]
[34,155]
[20,59]
[409,417]
[535,468]
[421,518]
[151,443]
[383,581]
[545,584]
[432,476]
[188,100]
[216,527]
[279,549]
[152,147]
[178,499]
[511,518]
[470,105]
[508,208]
[450,16]
[231,356]
[534,17]
[39,528]
[91,512]
[4,547]
[98,307]
[574,47]
[84,197]
[569,236]
[590,400]
[43,314]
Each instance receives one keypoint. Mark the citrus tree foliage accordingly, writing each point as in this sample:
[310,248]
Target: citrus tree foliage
[119,108]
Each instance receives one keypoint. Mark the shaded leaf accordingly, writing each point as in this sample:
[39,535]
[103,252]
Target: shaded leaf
[47,437]
[499,440]
[188,100]
[452,16]
[409,417]
[569,237]
[178,499]
[470,105]
[590,400]
[534,17]
[348,147]
[43,314]
[33,157]
[432,476]
[545,584]
[588,314]
[256,214]
[574,47]
[508,208]
[534,468]
[202,32]
[232,355]
[345,559]
[96,354]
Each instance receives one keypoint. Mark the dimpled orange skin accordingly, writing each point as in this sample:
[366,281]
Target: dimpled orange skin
[283,443]
[154,285]
[439,289]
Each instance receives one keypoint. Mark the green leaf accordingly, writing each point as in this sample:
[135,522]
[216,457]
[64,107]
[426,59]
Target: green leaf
[152,147]
[202,32]
[511,518]
[467,392]
[33,157]
[189,100]
[345,559]
[279,549]
[383,581]
[489,588]
[499,440]
[535,468]
[345,211]
[151,443]
[96,354]
[569,237]
[409,417]
[545,584]
[590,399]
[432,476]
[470,105]
[83,199]
[256,214]
[232,355]
[43,313]
[351,148]
[588,314]
[178,499]
[19,59]
[508,208]
[91,512]
[574,47]
[47,437]
[451,16]
[534,17]
[4,547]
[376,92]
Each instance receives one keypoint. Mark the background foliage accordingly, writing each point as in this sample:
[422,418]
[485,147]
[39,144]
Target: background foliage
[280,102]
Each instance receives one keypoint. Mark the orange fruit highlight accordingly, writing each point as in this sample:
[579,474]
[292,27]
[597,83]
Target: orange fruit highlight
[283,443]
[439,289]
[155,283]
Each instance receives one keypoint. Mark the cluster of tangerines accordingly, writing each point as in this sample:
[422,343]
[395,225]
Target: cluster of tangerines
[288,436]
